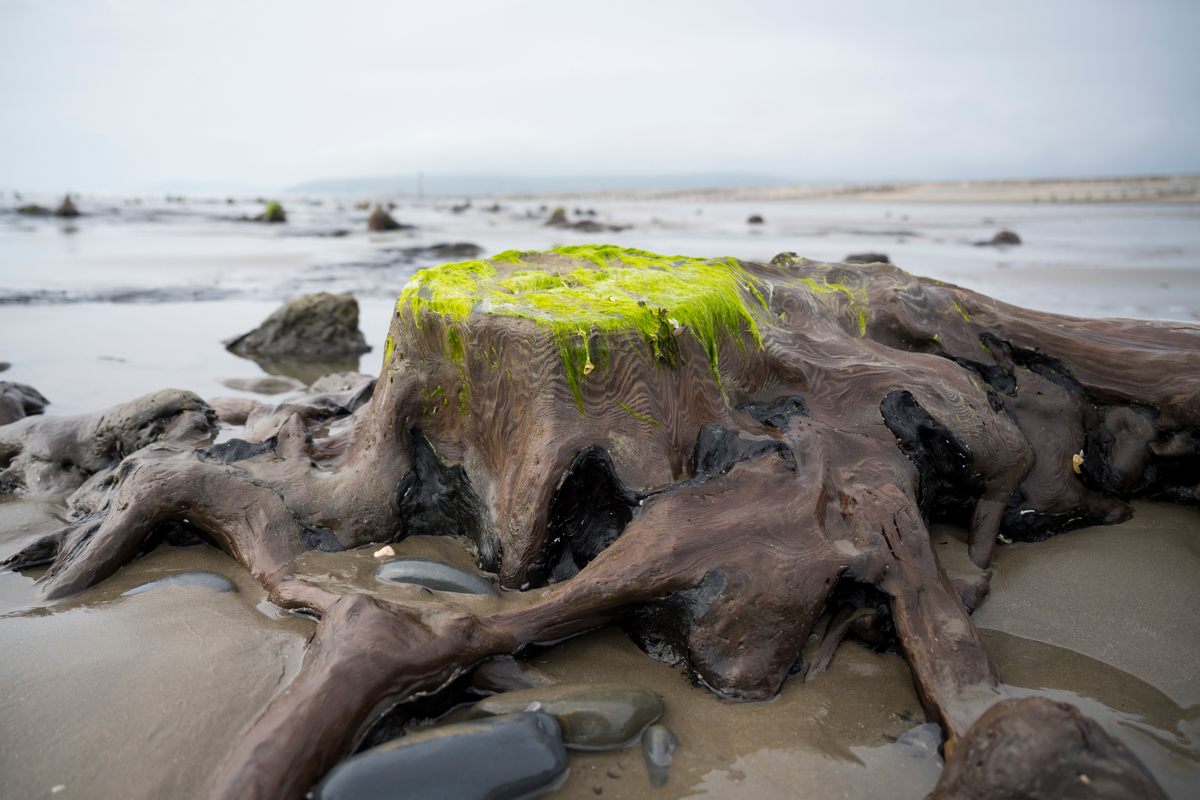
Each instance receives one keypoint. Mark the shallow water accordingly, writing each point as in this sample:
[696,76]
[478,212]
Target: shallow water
[140,696]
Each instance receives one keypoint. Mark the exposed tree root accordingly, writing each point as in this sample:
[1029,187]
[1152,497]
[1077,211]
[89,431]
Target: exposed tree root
[715,489]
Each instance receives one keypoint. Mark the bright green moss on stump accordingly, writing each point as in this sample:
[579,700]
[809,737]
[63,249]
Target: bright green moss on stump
[602,291]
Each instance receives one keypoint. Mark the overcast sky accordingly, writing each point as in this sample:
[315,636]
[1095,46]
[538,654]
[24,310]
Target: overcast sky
[132,94]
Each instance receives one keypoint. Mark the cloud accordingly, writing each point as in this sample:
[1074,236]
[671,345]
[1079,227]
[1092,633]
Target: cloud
[129,93]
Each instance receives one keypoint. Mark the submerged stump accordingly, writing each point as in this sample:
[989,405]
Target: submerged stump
[716,453]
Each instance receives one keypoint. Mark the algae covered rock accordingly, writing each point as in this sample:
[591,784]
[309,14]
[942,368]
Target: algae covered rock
[273,213]
[322,326]
[33,210]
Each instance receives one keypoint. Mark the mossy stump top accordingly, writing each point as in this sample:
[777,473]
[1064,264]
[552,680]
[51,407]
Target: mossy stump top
[579,292]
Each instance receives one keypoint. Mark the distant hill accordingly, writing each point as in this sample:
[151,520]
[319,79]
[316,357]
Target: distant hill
[474,184]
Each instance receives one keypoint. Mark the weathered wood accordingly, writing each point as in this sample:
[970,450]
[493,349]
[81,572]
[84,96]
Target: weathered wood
[716,476]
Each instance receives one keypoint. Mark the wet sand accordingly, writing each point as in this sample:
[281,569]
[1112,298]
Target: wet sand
[140,696]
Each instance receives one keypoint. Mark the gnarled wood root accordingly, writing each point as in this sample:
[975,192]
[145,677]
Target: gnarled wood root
[717,503]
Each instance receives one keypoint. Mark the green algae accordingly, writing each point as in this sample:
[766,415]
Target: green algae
[857,298]
[962,312]
[389,345]
[274,213]
[607,290]
[638,415]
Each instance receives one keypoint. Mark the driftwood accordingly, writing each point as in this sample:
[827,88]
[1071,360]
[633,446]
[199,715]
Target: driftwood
[714,453]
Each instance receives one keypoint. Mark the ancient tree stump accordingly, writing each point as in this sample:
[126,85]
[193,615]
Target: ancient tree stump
[717,453]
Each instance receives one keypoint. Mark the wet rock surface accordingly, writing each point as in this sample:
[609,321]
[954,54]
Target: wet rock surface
[499,758]
[867,258]
[592,717]
[434,575]
[271,384]
[213,581]
[234,410]
[507,674]
[19,400]
[1039,748]
[322,326]
[44,455]
[658,747]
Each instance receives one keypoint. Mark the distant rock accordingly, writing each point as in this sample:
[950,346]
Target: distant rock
[443,251]
[322,233]
[867,258]
[273,213]
[4,365]
[435,575]
[453,250]
[558,219]
[1001,239]
[322,326]
[755,219]
[66,208]
[19,400]
[502,758]
[1006,237]
[381,220]
[588,226]
[597,717]
[33,210]
[268,384]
